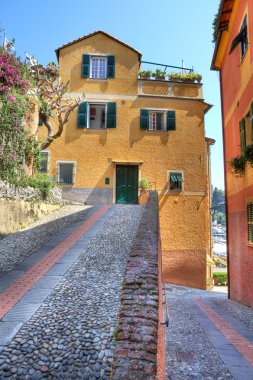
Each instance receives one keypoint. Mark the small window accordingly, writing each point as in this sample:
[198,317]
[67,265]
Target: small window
[175,180]
[250,223]
[242,135]
[244,38]
[44,162]
[66,173]
[98,67]
[157,121]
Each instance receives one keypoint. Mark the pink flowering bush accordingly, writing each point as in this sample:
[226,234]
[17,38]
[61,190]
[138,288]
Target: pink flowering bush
[16,145]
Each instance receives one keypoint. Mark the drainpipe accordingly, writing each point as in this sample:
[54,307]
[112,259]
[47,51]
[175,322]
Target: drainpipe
[225,181]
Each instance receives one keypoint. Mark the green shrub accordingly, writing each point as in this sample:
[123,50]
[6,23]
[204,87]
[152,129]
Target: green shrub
[220,278]
[38,181]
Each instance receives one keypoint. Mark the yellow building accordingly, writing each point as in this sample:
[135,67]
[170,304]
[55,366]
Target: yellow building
[128,129]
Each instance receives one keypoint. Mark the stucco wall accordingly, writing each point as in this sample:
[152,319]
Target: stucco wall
[17,214]
[96,151]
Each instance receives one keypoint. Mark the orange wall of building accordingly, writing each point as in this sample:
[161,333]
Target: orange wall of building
[237,95]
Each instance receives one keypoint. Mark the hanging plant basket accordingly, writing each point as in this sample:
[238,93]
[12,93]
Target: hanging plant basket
[248,154]
[238,165]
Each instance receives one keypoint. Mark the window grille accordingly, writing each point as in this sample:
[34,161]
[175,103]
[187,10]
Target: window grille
[66,174]
[250,223]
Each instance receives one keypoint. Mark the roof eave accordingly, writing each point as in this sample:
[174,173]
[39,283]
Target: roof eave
[92,34]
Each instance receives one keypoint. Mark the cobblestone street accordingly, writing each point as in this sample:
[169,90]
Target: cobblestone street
[59,307]
[209,336]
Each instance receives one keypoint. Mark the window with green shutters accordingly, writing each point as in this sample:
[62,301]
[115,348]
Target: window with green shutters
[98,67]
[157,120]
[175,180]
[242,135]
[97,115]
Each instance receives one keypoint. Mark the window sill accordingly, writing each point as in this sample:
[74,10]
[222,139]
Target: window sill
[154,130]
[96,129]
[98,79]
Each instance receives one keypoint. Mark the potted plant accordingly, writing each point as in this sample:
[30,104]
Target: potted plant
[144,185]
[248,154]
[145,74]
[159,74]
[174,77]
[238,165]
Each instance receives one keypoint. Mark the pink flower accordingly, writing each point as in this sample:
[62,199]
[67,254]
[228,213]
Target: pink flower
[11,98]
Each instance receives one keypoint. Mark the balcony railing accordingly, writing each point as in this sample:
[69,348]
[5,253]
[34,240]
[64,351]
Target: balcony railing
[162,71]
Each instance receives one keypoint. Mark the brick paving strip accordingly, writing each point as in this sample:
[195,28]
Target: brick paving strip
[137,331]
[234,349]
[20,287]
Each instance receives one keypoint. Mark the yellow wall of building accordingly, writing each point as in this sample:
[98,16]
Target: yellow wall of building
[182,215]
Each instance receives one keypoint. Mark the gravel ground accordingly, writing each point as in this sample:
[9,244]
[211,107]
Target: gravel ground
[234,309]
[71,335]
[14,248]
[190,355]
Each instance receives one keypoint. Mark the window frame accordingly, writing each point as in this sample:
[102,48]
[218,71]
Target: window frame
[102,58]
[171,172]
[60,162]
[154,111]
[88,115]
[48,161]
[250,224]
[244,43]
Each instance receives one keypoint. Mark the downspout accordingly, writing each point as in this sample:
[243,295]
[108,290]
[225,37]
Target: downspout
[225,181]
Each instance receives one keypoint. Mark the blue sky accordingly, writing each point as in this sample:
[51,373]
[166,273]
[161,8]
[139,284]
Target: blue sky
[169,33]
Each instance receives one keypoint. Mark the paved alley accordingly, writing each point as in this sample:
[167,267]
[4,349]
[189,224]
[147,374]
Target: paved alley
[59,307]
[209,336]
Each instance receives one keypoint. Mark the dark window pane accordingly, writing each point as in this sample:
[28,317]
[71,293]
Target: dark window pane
[66,174]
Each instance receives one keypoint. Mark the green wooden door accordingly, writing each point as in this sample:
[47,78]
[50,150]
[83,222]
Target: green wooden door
[126,184]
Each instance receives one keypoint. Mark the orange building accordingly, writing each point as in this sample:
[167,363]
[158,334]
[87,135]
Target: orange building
[233,58]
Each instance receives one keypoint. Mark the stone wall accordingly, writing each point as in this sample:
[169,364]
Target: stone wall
[137,333]
[22,206]
[89,196]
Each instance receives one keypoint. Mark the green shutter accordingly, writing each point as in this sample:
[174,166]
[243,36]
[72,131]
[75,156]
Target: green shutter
[40,122]
[85,66]
[144,119]
[242,135]
[251,120]
[111,115]
[171,120]
[111,66]
[82,115]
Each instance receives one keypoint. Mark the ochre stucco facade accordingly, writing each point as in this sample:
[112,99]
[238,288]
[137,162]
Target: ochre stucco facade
[184,214]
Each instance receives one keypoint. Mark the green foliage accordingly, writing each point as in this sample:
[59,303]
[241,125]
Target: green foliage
[248,154]
[145,73]
[38,181]
[144,184]
[215,24]
[220,278]
[159,73]
[238,165]
[189,77]
[17,146]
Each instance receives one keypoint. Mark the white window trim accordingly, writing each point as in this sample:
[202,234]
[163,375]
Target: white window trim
[48,161]
[104,58]
[164,121]
[168,180]
[74,172]
[88,115]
